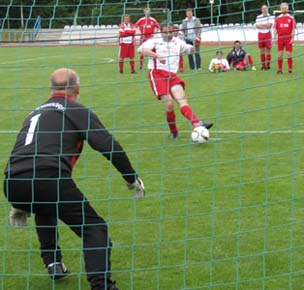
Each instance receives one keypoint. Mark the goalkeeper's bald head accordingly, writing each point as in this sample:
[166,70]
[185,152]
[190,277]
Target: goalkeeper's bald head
[65,81]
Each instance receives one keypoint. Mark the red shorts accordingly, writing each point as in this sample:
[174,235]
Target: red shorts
[240,65]
[162,81]
[264,40]
[126,50]
[284,42]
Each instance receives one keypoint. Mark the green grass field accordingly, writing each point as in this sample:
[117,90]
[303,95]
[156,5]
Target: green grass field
[224,215]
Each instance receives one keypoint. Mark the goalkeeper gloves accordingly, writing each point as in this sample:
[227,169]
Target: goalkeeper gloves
[139,188]
[18,217]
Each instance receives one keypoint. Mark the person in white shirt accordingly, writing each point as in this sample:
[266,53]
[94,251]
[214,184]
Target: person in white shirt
[219,64]
[164,53]
[127,31]
[264,23]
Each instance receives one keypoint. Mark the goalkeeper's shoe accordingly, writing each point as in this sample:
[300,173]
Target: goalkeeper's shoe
[111,284]
[57,270]
[205,124]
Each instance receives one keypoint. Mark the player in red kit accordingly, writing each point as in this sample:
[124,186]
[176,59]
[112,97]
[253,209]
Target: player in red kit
[127,31]
[163,53]
[264,23]
[284,32]
[147,26]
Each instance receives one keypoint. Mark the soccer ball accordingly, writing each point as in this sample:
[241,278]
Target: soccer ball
[200,134]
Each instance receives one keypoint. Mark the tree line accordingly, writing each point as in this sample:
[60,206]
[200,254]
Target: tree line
[15,14]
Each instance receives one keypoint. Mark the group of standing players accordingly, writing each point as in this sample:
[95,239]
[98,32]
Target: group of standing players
[283,28]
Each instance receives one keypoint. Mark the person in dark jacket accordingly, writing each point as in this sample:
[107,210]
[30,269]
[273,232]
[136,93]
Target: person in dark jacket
[38,178]
[239,59]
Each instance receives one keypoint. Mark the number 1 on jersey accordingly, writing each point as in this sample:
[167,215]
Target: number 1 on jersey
[31,130]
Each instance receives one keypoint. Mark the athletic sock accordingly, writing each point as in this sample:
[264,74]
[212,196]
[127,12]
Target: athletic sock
[121,65]
[280,64]
[189,115]
[268,60]
[171,120]
[250,60]
[262,58]
[289,62]
[132,64]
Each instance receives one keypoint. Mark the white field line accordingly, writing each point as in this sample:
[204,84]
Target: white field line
[184,131]
[105,59]
[29,59]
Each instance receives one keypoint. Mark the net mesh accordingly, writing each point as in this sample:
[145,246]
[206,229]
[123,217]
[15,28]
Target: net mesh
[227,214]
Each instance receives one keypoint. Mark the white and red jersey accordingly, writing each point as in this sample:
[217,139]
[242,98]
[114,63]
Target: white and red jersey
[284,25]
[127,33]
[147,27]
[264,19]
[223,62]
[168,50]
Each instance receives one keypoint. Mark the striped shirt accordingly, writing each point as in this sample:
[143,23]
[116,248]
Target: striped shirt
[264,19]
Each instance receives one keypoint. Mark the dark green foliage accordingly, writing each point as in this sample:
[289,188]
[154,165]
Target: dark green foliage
[57,13]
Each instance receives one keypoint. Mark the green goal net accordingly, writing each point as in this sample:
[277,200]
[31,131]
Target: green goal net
[227,214]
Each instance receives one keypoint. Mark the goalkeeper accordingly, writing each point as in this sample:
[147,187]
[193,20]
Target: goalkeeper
[38,178]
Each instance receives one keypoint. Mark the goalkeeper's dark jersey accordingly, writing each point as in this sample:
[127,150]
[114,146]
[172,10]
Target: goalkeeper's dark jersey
[52,137]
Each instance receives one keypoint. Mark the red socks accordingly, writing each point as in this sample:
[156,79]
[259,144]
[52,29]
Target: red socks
[132,65]
[250,60]
[121,65]
[262,58]
[289,62]
[189,115]
[268,60]
[171,121]
[280,64]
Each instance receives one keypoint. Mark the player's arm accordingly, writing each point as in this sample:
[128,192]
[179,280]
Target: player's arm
[184,28]
[186,48]
[150,53]
[101,140]
[132,31]
[293,32]
[275,32]
[157,26]
[260,25]
[123,33]
[198,28]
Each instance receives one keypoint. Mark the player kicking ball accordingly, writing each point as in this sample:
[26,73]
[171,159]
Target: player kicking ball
[164,54]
